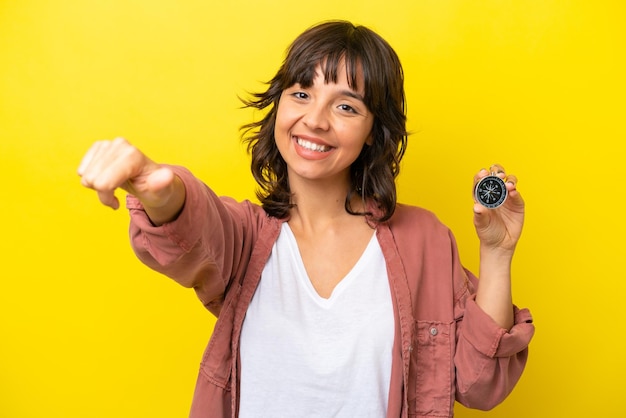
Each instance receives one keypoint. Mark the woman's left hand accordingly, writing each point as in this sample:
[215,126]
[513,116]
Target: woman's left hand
[500,228]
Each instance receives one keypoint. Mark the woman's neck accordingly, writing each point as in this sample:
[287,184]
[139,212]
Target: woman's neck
[321,206]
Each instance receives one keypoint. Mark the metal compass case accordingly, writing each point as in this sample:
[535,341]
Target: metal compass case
[490,191]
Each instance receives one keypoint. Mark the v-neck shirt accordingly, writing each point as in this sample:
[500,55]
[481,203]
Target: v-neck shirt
[308,356]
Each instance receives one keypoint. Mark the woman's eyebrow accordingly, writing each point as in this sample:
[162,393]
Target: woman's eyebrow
[352,94]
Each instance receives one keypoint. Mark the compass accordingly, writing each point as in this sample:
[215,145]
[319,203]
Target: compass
[490,191]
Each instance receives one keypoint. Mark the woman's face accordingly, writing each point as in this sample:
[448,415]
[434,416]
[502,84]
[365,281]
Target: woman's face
[320,130]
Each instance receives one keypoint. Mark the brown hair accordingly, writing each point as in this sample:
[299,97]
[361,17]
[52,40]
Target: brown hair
[375,169]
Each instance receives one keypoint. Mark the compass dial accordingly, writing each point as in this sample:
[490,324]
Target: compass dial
[490,192]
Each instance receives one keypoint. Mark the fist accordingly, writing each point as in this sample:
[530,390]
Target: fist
[109,165]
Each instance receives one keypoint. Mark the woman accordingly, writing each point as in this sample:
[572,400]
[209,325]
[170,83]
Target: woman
[332,299]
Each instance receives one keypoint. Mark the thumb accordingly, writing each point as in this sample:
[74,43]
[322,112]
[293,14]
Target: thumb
[155,188]
[159,180]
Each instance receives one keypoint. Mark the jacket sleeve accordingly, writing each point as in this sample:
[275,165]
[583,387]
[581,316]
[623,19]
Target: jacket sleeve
[204,248]
[489,360]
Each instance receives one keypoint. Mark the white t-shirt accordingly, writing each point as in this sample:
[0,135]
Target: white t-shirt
[306,356]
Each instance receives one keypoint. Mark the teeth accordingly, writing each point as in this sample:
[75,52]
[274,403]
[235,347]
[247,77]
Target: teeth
[311,146]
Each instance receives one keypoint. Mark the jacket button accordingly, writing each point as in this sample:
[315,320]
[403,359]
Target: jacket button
[433,331]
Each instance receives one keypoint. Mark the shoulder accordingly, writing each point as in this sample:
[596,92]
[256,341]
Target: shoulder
[416,228]
[408,217]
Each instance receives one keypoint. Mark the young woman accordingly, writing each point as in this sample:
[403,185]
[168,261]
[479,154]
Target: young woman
[332,299]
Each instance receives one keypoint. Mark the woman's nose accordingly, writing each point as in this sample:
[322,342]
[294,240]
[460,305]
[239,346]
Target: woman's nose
[317,117]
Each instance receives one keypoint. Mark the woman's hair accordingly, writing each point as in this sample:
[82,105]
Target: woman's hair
[329,44]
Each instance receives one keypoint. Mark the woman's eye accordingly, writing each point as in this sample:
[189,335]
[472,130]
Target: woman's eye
[347,108]
[300,95]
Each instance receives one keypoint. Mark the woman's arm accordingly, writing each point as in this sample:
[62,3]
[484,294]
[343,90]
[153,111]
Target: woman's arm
[179,227]
[498,231]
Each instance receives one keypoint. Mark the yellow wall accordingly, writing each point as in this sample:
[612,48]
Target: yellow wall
[86,331]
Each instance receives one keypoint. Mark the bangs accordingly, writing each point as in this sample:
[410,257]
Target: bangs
[303,72]
[323,53]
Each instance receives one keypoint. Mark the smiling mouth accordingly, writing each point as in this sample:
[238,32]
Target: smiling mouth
[311,146]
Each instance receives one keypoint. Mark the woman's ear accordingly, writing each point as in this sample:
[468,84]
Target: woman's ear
[370,139]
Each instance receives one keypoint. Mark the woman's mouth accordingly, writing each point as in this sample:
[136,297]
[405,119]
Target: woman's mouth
[312,146]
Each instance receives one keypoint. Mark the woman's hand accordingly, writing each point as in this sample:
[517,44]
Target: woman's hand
[109,165]
[500,228]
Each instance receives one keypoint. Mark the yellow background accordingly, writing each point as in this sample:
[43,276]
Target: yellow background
[86,331]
